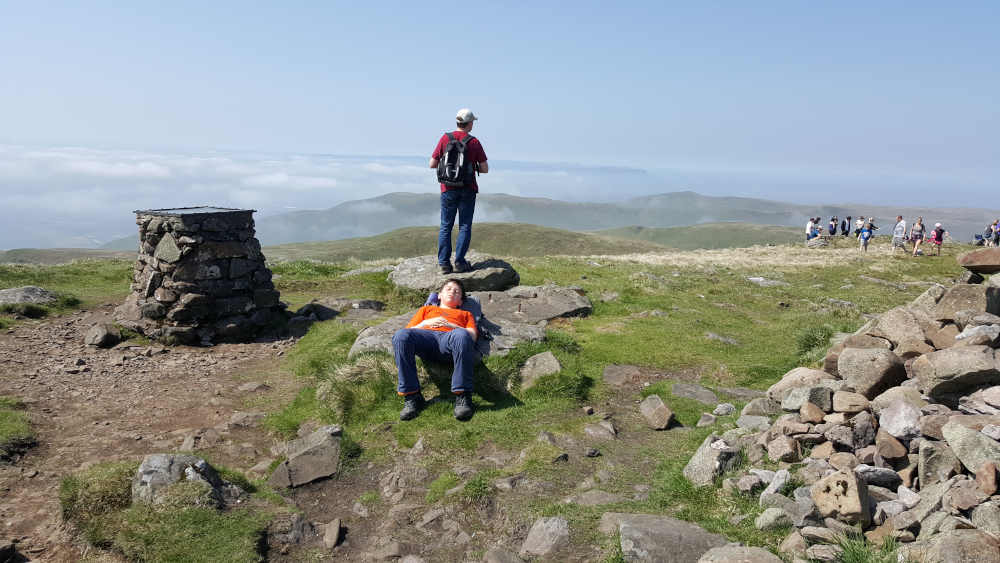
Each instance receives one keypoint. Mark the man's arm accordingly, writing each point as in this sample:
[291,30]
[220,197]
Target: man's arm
[434,162]
[484,167]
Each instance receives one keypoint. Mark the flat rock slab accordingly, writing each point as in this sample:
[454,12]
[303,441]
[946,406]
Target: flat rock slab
[618,375]
[694,391]
[26,294]
[653,538]
[983,261]
[510,317]
[739,554]
[488,274]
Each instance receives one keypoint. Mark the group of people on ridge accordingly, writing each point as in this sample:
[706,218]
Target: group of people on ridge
[864,230]
[991,235]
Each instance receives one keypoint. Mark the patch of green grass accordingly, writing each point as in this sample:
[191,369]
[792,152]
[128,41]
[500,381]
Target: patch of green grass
[15,427]
[479,489]
[82,282]
[438,487]
[371,498]
[858,550]
[93,499]
[191,535]
[303,407]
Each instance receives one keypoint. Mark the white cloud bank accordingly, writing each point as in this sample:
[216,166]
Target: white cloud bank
[83,197]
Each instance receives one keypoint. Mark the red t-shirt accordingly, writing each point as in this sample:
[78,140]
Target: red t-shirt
[473,151]
[460,317]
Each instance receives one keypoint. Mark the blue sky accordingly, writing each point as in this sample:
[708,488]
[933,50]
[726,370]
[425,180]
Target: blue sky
[801,101]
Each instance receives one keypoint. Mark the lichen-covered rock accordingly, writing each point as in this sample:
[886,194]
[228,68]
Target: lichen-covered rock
[844,497]
[158,472]
[713,458]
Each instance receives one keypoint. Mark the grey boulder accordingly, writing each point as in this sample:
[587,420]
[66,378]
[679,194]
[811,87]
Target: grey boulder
[312,457]
[713,458]
[488,273]
[158,471]
[651,538]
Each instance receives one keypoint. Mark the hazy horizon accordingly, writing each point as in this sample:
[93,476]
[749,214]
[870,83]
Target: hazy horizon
[112,107]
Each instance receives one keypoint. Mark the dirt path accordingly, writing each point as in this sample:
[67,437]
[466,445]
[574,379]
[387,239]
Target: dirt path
[89,405]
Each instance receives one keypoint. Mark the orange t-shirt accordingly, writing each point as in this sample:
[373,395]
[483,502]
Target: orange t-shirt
[459,317]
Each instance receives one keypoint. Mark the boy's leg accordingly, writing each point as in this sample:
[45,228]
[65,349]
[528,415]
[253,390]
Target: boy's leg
[449,206]
[460,346]
[407,344]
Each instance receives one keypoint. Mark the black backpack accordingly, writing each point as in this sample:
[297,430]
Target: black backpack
[454,170]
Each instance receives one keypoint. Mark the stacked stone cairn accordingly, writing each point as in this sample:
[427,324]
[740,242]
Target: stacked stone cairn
[200,277]
[896,437]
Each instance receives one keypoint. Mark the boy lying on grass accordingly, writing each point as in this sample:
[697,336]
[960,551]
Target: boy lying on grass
[438,333]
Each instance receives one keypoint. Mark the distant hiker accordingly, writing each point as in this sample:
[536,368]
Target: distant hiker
[867,231]
[810,226]
[845,226]
[441,333]
[833,225]
[937,237]
[860,222]
[988,234]
[458,157]
[899,234]
[917,234]
[996,232]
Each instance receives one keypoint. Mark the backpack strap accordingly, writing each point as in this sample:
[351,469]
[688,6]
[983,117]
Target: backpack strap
[450,136]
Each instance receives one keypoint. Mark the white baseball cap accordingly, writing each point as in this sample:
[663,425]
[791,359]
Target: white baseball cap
[465,115]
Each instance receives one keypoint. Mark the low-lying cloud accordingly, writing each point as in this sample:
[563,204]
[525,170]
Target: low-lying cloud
[84,197]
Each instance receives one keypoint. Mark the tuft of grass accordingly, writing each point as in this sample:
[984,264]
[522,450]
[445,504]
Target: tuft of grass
[93,498]
[478,490]
[370,498]
[15,427]
[858,550]
[438,487]
[191,535]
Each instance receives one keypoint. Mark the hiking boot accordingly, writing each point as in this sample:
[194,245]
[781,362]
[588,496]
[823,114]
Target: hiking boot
[463,406]
[412,405]
[462,267]
[445,268]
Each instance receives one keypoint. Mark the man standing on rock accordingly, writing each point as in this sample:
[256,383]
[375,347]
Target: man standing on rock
[458,157]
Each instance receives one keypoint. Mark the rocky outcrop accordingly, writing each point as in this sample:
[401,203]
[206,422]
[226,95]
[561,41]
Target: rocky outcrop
[649,538]
[488,274]
[158,472]
[509,318]
[27,294]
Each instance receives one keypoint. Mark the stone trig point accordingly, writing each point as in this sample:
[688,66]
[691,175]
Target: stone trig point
[200,277]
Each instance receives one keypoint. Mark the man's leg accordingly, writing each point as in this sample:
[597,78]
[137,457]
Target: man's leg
[449,206]
[466,208]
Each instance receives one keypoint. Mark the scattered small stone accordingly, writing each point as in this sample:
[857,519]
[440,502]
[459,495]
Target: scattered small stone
[563,457]
[591,452]
[724,409]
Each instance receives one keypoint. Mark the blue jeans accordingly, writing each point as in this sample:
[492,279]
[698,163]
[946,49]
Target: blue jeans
[454,346]
[463,202]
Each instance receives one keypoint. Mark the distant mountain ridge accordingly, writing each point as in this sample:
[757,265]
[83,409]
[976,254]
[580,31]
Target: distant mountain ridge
[377,215]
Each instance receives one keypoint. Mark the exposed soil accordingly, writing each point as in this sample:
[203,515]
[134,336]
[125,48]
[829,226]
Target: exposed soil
[89,405]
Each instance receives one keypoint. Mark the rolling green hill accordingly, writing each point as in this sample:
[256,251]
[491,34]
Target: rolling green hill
[58,255]
[503,239]
[709,235]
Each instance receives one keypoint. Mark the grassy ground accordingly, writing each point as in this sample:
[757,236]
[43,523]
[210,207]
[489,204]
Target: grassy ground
[693,315]
[659,314]
[710,235]
[15,428]
[506,239]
